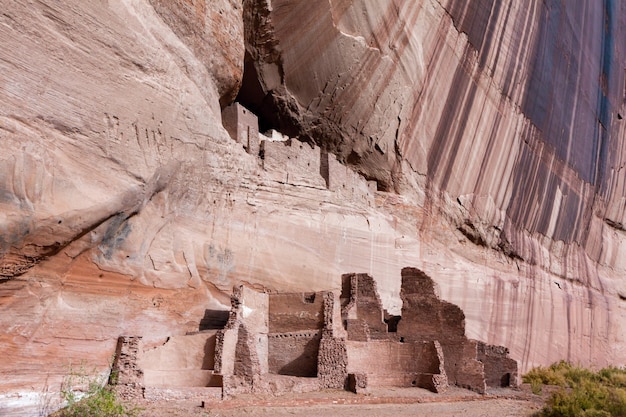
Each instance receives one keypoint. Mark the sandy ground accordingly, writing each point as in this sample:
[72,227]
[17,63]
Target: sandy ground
[384,403]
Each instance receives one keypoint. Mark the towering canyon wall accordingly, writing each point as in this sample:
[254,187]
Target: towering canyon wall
[493,129]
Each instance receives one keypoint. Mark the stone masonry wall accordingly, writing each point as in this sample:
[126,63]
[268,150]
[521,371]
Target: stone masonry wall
[363,313]
[241,349]
[126,375]
[293,162]
[302,339]
[426,317]
[333,357]
[391,363]
[500,370]
[289,161]
[243,126]
[294,353]
[293,312]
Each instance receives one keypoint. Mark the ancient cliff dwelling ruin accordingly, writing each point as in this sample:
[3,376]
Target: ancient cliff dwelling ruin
[157,154]
[290,161]
[298,342]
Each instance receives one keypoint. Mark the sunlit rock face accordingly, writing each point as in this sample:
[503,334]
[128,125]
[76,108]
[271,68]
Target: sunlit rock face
[494,131]
[513,109]
[504,119]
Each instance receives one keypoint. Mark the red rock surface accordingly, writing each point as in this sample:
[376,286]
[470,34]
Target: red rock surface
[125,208]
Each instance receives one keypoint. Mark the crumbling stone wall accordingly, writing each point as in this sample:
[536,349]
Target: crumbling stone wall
[362,313]
[500,370]
[243,126]
[247,367]
[270,341]
[332,361]
[290,161]
[426,317]
[241,349]
[345,181]
[469,363]
[392,363]
[333,357]
[294,353]
[126,375]
[293,162]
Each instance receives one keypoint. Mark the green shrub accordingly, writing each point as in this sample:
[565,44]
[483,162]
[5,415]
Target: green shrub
[583,393]
[86,396]
[552,375]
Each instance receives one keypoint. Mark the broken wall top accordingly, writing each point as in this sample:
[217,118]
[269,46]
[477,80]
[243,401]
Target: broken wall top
[424,315]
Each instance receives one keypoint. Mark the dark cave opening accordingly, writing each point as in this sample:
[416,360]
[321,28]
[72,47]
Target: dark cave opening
[272,112]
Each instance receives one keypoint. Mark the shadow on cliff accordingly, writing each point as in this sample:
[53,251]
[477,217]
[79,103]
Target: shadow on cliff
[31,240]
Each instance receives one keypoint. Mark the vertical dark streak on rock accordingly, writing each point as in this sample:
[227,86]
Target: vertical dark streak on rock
[416,114]
[484,54]
[459,104]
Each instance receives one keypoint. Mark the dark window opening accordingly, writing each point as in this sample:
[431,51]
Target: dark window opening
[309,298]
[505,381]
[272,112]
[392,323]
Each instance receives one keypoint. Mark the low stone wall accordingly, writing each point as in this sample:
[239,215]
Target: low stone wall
[194,351]
[500,370]
[391,363]
[294,353]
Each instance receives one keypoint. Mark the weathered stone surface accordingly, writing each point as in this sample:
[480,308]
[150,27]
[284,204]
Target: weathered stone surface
[126,375]
[499,369]
[505,117]
[362,312]
[104,108]
[212,31]
[125,208]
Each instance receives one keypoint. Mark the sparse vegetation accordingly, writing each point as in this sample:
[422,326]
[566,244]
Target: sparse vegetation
[583,393]
[87,396]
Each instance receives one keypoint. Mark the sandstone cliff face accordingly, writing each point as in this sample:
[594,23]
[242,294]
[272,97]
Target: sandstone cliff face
[504,119]
[494,133]
[513,110]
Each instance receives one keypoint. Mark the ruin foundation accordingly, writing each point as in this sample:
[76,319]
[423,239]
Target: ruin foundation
[299,342]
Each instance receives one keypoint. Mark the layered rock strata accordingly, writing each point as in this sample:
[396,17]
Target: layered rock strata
[428,97]
[493,131]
